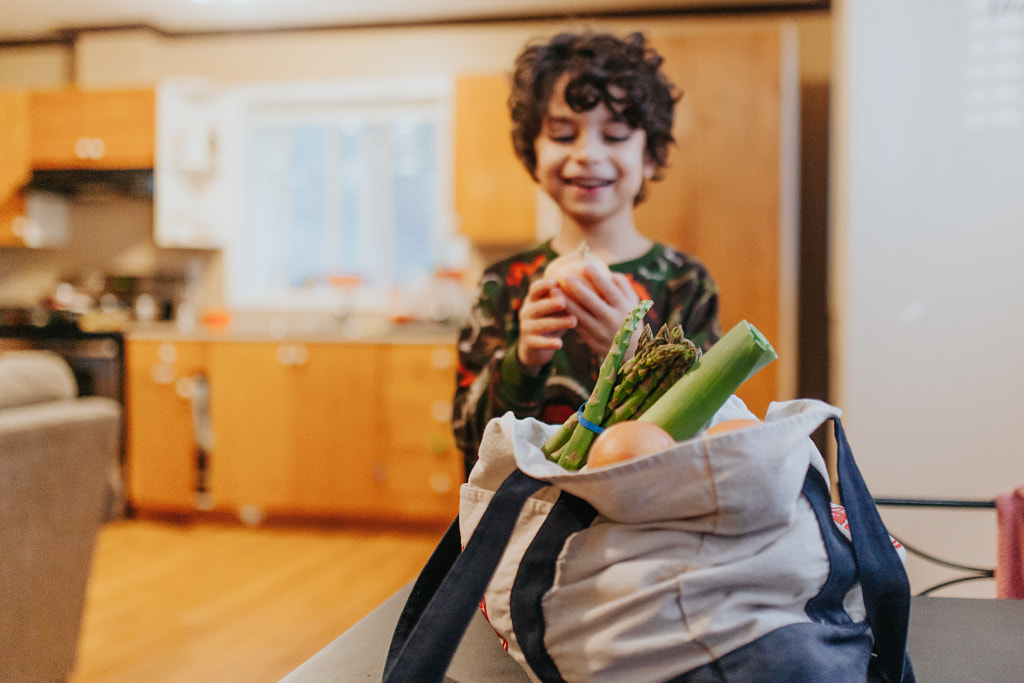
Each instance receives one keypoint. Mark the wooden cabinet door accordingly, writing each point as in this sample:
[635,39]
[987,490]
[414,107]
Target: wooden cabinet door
[254,398]
[162,449]
[337,431]
[495,198]
[15,168]
[423,468]
[730,194]
[109,129]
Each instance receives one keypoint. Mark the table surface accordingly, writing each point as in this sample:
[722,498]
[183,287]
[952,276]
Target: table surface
[954,640]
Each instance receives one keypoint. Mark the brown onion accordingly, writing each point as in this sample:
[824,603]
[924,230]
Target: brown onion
[574,264]
[627,440]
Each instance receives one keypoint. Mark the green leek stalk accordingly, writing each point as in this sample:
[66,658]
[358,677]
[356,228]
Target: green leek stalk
[688,405]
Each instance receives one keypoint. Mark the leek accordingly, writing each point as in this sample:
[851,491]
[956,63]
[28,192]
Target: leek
[691,402]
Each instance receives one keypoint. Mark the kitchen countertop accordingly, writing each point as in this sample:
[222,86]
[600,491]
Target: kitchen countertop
[273,329]
[950,639]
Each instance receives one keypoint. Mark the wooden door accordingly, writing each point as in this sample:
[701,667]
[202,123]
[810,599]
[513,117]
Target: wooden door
[162,449]
[423,468]
[15,168]
[109,129]
[495,197]
[730,195]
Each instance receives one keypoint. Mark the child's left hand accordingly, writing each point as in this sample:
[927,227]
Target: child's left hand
[600,304]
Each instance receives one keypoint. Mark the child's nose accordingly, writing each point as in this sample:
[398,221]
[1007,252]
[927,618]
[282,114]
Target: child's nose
[589,148]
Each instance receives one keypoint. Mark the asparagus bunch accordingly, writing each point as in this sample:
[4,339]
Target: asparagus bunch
[660,360]
[573,453]
[668,382]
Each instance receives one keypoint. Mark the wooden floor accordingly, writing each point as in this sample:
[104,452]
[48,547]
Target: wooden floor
[195,602]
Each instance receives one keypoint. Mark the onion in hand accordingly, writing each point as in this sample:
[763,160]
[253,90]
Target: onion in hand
[574,264]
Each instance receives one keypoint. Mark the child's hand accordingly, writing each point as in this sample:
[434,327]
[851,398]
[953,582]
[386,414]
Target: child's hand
[600,306]
[543,319]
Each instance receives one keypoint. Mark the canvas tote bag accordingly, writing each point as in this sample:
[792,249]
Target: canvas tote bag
[714,560]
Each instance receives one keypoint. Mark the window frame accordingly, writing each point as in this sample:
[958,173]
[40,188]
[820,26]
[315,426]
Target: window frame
[329,101]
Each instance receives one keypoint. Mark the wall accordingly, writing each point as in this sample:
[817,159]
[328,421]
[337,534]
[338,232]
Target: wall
[927,207]
[133,57]
[36,66]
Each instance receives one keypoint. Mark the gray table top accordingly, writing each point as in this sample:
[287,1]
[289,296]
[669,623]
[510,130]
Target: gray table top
[954,640]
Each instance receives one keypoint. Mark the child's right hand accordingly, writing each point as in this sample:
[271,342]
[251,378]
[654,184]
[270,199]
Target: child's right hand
[543,319]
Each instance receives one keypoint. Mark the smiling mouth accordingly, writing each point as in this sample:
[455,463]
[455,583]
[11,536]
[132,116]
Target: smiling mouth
[588,183]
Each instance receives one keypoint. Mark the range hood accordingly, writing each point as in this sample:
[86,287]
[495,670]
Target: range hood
[136,183]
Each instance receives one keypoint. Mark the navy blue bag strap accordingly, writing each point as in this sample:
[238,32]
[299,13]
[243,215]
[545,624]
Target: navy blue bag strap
[450,587]
[879,568]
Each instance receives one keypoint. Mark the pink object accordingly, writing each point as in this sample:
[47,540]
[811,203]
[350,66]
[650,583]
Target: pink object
[1010,544]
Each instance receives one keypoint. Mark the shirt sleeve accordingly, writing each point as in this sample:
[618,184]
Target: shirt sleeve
[693,304]
[701,322]
[490,380]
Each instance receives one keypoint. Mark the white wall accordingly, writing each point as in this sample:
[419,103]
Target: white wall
[928,210]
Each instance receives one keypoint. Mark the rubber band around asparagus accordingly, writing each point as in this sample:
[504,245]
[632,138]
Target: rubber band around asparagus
[573,455]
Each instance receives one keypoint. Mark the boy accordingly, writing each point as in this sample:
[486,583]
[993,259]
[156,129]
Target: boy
[592,123]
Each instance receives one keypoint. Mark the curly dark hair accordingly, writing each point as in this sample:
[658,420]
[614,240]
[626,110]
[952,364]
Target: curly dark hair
[596,63]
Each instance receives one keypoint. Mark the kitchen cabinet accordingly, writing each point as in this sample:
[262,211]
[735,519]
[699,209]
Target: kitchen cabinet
[495,198]
[300,428]
[336,432]
[296,427]
[15,167]
[255,387]
[162,378]
[82,129]
[422,468]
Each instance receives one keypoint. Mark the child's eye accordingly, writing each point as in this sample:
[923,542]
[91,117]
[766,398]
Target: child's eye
[560,130]
[618,133]
[561,134]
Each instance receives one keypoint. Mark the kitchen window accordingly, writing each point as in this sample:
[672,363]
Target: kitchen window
[340,186]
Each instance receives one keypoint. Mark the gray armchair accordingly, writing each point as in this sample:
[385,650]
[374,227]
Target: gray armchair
[56,453]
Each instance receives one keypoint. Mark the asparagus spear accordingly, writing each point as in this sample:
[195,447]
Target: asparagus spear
[573,454]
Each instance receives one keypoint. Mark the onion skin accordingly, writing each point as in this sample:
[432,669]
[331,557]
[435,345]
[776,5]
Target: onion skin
[627,440]
[731,425]
[574,264]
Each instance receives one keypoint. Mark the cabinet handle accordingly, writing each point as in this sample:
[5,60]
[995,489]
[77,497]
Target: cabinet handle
[441,410]
[442,358]
[167,352]
[440,482]
[90,148]
[292,354]
[162,373]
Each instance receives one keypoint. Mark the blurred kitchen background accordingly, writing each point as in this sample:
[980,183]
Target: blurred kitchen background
[278,214]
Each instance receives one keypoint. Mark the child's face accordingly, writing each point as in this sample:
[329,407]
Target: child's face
[592,163]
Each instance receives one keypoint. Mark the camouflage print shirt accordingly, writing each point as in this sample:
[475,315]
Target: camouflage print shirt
[490,380]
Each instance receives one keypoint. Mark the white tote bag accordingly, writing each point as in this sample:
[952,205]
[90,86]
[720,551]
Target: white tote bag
[715,559]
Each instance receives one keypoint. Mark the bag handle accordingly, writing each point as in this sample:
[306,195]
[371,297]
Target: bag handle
[879,568]
[450,588]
